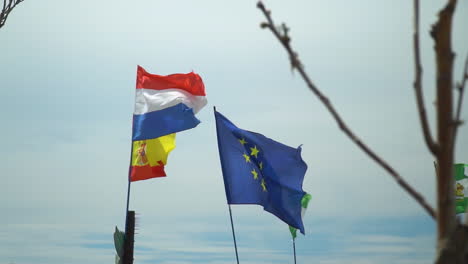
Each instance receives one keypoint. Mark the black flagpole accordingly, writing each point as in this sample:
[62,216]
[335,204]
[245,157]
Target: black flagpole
[129,181]
[233,233]
[128,195]
[294,248]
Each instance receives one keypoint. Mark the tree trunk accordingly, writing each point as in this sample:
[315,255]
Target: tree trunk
[442,32]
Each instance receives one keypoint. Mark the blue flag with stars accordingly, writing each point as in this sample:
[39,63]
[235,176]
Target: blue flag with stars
[258,170]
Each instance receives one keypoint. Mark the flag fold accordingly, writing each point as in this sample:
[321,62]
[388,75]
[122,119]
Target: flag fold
[304,203]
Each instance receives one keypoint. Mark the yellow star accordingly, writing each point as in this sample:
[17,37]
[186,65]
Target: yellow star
[255,174]
[247,157]
[260,165]
[242,141]
[263,184]
[255,151]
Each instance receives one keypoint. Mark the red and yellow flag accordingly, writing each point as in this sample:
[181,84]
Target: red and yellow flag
[149,157]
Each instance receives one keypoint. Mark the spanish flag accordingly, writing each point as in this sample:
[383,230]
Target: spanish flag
[164,105]
[149,157]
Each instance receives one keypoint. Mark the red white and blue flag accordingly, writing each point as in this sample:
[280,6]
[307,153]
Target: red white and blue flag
[166,104]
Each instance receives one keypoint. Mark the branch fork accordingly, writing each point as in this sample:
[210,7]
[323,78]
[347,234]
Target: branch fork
[7,8]
[283,37]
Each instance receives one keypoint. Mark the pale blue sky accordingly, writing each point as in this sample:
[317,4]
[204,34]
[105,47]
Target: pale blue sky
[67,72]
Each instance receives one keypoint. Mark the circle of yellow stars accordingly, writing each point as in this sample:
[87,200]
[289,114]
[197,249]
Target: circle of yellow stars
[253,153]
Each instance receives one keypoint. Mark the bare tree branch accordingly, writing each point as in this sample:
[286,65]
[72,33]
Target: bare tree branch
[4,6]
[284,39]
[7,8]
[441,33]
[433,147]
[456,250]
[461,90]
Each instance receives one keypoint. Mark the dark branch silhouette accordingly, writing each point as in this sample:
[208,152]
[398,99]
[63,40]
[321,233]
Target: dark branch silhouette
[452,236]
[442,35]
[7,8]
[433,147]
[461,89]
[281,34]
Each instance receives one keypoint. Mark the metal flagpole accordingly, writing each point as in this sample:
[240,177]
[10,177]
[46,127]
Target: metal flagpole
[229,206]
[129,178]
[129,226]
[233,233]
[128,188]
[128,196]
[294,249]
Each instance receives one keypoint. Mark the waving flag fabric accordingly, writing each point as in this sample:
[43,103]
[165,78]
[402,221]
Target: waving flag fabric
[304,203]
[164,105]
[461,187]
[149,157]
[258,170]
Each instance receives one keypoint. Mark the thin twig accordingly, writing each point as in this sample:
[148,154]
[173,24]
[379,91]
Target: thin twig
[461,90]
[284,39]
[433,147]
[4,6]
[7,9]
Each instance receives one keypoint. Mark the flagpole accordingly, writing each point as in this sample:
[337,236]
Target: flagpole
[128,195]
[294,249]
[129,180]
[233,233]
[129,173]
[229,205]
[128,188]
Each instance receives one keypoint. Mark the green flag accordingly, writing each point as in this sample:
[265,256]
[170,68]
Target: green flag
[293,232]
[119,239]
[461,187]
[304,203]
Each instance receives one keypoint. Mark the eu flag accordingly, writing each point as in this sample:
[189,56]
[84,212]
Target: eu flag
[258,170]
